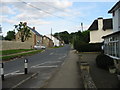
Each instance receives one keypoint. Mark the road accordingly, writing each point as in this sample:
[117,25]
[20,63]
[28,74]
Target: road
[44,63]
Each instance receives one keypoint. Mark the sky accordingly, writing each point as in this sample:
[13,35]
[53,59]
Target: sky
[60,15]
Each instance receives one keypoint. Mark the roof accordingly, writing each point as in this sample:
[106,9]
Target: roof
[115,7]
[34,31]
[111,34]
[107,24]
[47,37]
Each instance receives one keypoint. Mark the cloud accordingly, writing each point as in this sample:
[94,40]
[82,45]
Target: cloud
[6,10]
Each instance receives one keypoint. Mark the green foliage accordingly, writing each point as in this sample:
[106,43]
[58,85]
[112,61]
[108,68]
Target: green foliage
[103,61]
[2,38]
[10,35]
[5,58]
[69,38]
[86,47]
[24,31]
[63,36]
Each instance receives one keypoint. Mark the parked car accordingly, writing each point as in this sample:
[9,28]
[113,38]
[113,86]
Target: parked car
[39,47]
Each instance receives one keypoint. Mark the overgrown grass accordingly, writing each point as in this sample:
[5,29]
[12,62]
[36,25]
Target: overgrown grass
[5,58]
[13,51]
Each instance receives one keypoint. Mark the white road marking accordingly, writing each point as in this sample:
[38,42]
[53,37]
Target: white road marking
[15,72]
[63,63]
[46,66]
[51,53]
[62,57]
[44,63]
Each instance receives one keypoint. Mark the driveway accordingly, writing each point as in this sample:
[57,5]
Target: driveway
[101,77]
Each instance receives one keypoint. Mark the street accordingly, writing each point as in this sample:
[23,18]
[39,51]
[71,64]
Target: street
[44,63]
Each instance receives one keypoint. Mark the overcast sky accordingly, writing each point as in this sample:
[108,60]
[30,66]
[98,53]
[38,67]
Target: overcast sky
[60,15]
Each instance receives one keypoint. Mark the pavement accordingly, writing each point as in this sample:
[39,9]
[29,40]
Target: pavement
[102,78]
[68,76]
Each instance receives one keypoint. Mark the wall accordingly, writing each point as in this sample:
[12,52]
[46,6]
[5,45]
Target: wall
[29,40]
[47,42]
[6,45]
[116,20]
[55,40]
[96,35]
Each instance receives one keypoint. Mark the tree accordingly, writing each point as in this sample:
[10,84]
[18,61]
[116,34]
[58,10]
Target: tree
[1,37]
[10,35]
[65,36]
[23,30]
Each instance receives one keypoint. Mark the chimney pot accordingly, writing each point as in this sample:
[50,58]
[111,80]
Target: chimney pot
[100,18]
[33,28]
[25,23]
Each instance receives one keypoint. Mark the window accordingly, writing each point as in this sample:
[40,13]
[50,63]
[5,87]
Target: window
[112,46]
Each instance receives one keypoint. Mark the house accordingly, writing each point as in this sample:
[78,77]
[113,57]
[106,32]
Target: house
[55,40]
[34,39]
[99,28]
[112,41]
[46,41]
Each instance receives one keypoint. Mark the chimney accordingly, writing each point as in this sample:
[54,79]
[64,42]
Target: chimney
[25,23]
[33,28]
[100,23]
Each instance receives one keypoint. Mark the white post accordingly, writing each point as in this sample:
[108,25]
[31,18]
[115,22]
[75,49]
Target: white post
[26,66]
[2,71]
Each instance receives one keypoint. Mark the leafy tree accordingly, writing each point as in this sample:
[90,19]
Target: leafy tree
[10,35]
[63,36]
[1,37]
[23,30]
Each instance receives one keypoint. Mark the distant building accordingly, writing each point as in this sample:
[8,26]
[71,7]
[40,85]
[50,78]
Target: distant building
[112,41]
[99,28]
[35,38]
[55,40]
[46,41]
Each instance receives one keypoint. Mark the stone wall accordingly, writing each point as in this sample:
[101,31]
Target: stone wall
[6,45]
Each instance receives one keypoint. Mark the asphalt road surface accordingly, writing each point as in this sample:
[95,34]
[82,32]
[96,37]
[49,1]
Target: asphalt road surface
[44,63]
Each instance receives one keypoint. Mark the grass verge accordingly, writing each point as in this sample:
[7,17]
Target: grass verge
[13,51]
[6,58]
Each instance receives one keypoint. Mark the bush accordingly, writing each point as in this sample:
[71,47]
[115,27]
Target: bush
[104,61]
[88,47]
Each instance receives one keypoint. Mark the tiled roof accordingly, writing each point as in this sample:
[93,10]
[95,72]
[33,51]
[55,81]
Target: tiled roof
[34,31]
[107,24]
[115,7]
[115,33]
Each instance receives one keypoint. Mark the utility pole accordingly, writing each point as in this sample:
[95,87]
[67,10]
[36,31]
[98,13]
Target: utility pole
[0,29]
[81,26]
[51,33]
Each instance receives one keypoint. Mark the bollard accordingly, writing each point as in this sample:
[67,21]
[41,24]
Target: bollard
[2,71]
[26,66]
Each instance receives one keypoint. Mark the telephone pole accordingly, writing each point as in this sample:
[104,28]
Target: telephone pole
[51,33]
[81,26]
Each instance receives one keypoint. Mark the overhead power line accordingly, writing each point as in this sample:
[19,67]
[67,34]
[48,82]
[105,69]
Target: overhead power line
[47,12]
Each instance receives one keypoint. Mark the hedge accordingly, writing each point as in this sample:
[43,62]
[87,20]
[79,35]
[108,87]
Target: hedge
[88,47]
[104,61]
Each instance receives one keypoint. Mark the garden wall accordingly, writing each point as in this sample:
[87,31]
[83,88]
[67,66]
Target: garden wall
[6,45]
